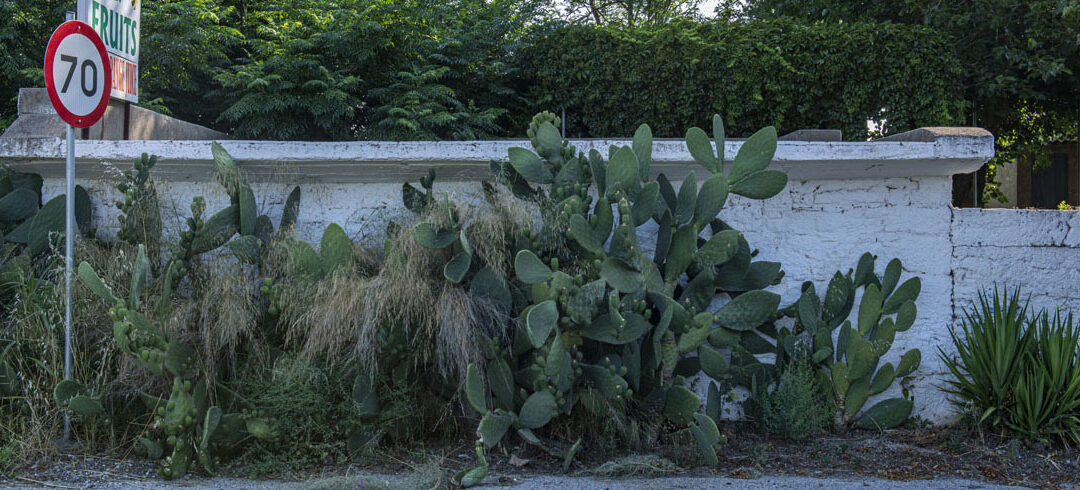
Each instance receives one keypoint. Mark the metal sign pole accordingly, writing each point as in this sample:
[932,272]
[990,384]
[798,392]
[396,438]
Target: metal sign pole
[69,260]
[69,256]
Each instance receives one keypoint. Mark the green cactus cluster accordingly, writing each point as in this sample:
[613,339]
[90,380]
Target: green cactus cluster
[850,367]
[140,218]
[239,218]
[597,312]
[185,425]
[29,229]
[246,233]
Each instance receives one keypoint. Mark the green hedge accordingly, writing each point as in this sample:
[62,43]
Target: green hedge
[837,76]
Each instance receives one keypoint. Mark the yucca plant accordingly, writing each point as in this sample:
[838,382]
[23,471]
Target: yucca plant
[1021,372]
[1048,394]
[991,349]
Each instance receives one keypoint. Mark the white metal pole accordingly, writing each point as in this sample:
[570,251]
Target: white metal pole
[69,260]
[69,255]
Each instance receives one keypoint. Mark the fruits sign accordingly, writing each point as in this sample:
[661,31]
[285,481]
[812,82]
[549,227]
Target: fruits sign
[117,22]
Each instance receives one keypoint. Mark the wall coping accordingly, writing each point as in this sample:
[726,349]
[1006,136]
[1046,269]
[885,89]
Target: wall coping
[923,152]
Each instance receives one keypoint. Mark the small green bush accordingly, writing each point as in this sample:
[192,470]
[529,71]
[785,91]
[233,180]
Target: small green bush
[796,408]
[1016,372]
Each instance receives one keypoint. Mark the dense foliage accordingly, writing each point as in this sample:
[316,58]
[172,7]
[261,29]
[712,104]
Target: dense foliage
[468,69]
[239,340]
[779,73]
[1020,60]
[1015,370]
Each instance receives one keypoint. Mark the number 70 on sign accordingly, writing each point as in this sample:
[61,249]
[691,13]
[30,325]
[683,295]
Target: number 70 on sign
[77,74]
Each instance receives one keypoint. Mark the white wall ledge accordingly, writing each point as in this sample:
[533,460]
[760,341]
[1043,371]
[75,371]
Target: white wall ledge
[932,152]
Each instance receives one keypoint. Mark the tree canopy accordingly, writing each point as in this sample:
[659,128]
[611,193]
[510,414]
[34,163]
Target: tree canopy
[1021,59]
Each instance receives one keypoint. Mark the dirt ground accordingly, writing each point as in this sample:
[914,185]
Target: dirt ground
[893,456]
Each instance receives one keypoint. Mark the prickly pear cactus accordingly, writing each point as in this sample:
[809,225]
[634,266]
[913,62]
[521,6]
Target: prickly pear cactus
[184,427]
[599,312]
[28,228]
[851,366]
[140,218]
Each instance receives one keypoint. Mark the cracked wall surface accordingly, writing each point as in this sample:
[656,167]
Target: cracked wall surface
[1036,249]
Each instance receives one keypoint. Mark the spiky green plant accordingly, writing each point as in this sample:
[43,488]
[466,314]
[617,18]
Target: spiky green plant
[991,347]
[186,426]
[1017,372]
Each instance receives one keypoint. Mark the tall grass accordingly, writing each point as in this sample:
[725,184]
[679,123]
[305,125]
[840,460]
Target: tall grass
[33,327]
[402,290]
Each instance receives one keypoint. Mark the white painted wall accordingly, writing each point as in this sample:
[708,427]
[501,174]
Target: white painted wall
[889,198]
[1037,249]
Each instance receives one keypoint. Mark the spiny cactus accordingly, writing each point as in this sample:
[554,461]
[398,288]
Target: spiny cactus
[851,367]
[600,313]
[140,218]
[240,217]
[24,221]
[184,424]
[76,398]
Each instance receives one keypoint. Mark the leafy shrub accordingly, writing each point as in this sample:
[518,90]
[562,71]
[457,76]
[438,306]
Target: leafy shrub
[777,72]
[797,406]
[1017,372]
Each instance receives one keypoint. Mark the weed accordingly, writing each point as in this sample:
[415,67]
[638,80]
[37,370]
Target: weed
[759,453]
[956,442]
[426,477]
[637,465]
[7,457]
[795,408]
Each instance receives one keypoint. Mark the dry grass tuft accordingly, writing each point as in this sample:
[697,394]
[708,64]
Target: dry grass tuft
[636,465]
[222,319]
[406,293]
[33,324]
[329,312]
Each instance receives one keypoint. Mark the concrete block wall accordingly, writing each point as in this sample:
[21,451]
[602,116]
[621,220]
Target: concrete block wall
[1038,250]
[38,119]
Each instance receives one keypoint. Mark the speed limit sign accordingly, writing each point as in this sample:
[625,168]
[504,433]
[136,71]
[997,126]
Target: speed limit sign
[77,74]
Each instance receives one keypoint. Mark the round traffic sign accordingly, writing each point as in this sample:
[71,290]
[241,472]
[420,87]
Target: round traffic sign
[77,74]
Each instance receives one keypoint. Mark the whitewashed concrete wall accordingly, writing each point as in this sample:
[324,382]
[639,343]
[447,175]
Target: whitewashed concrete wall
[1038,250]
[891,198]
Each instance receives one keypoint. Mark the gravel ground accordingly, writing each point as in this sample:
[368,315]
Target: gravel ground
[544,482]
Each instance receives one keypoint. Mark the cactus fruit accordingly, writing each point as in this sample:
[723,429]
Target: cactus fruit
[188,427]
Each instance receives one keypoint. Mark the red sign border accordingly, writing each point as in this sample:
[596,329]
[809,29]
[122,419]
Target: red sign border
[75,27]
